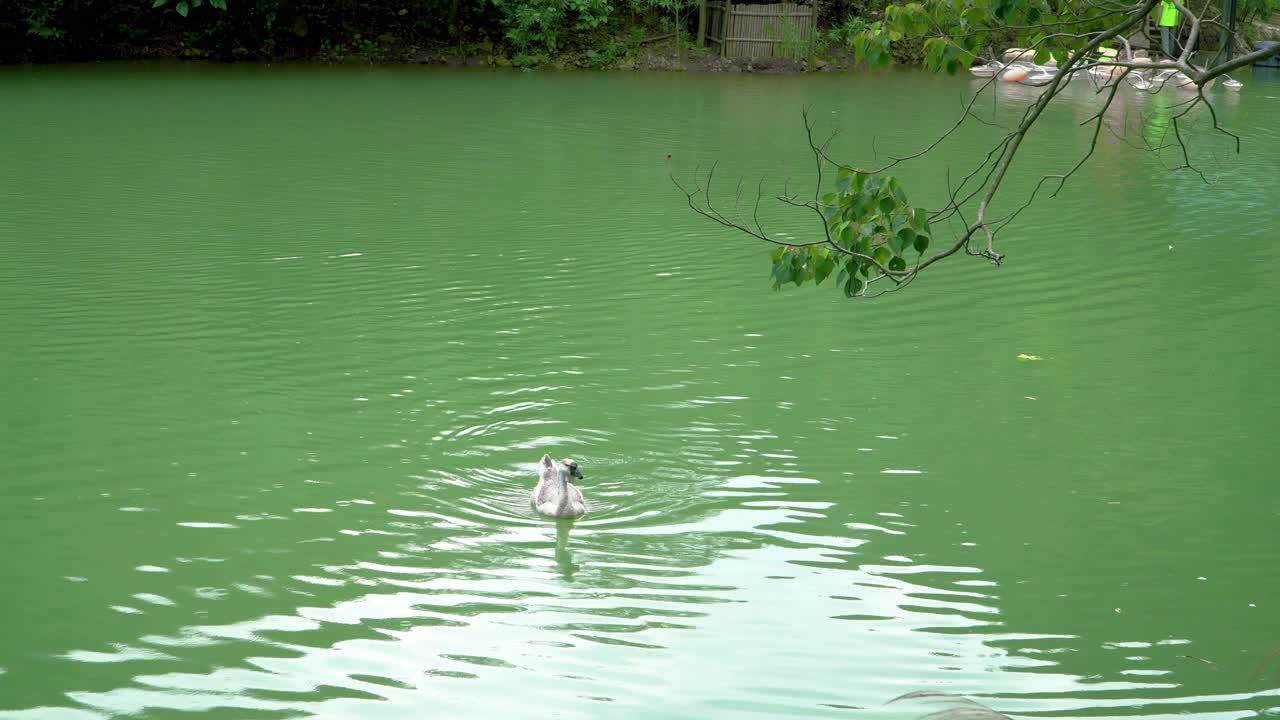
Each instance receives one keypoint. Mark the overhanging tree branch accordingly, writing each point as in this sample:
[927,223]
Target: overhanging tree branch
[871,233]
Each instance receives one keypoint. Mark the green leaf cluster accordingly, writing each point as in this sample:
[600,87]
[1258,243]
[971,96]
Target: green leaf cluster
[871,227]
[185,6]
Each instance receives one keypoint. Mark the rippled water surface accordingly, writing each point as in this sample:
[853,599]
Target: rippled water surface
[281,347]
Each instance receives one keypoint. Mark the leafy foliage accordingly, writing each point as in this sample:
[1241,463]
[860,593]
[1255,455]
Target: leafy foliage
[847,29]
[870,229]
[667,8]
[1254,10]
[955,33]
[182,7]
[538,24]
[44,30]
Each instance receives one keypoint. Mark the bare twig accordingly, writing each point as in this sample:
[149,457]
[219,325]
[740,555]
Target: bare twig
[1266,660]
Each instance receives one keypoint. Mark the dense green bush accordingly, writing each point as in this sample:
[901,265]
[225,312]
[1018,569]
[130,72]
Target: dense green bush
[541,23]
[47,30]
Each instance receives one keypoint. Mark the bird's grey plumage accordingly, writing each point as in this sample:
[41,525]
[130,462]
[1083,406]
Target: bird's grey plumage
[555,494]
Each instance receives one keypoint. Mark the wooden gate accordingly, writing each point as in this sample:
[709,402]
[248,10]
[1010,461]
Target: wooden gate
[759,31]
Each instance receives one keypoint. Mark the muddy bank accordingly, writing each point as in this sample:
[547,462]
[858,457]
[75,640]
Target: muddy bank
[664,59]
[661,58]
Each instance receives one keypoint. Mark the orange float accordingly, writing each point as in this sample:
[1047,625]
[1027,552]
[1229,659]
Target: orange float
[1014,75]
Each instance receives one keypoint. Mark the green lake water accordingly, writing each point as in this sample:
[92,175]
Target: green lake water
[280,347]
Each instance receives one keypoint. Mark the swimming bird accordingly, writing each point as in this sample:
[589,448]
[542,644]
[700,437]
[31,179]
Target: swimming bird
[555,493]
[1039,75]
[986,71]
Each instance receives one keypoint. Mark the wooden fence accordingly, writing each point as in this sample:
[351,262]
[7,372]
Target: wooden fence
[759,31]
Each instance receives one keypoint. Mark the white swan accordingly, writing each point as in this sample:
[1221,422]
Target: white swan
[555,494]
[986,71]
[1039,75]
